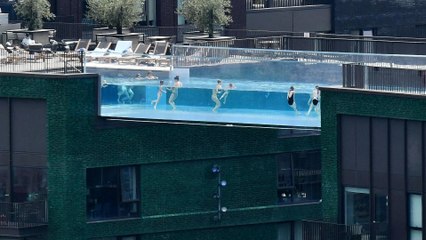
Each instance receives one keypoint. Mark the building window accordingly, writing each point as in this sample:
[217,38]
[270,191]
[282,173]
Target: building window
[357,206]
[299,177]
[112,192]
[29,184]
[415,217]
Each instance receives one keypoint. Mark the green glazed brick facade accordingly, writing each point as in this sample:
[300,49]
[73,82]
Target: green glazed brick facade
[175,163]
[358,103]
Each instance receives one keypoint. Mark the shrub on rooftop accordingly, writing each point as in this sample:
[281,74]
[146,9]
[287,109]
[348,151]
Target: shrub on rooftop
[205,14]
[116,13]
[33,12]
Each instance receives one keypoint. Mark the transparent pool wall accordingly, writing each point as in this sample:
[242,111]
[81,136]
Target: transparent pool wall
[259,94]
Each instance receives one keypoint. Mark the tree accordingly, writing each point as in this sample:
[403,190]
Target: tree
[32,12]
[116,13]
[205,14]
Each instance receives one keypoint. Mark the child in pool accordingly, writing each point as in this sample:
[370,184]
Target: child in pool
[215,92]
[226,92]
[159,94]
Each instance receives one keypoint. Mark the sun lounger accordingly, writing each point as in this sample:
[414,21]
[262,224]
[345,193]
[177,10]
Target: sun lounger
[140,50]
[158,56]
[83,45]
[121,48]
[100,50]
[12,56]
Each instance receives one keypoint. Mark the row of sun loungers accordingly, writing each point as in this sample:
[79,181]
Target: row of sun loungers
[123,53]
[147,54]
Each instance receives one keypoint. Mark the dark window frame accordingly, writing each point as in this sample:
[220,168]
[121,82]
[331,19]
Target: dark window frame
[106,196]
[297,177]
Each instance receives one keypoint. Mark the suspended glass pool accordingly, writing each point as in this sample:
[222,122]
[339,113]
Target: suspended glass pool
[258,95]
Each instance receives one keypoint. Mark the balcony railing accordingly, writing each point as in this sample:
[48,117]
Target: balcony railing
[43,60]
[384,79]
[326,43]
[23,215]
[315,230]
[260,4]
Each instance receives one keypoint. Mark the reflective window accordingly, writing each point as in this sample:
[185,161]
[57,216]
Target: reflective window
[357,206]
[415,217]
[29,184]
[299,177]
[112,193]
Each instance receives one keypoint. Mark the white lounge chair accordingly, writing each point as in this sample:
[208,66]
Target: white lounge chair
[100,50]
[121,48]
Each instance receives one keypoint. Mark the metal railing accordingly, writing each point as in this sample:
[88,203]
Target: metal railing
[384,79]
[312,230]
[260,4]
[23,215]
[318,230]
[186,56]
[328,43]
[45,61]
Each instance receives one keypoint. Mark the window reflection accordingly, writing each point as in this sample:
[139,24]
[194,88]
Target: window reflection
[415,218]
[112,193]
[29,184]
[299,177]
[357,205]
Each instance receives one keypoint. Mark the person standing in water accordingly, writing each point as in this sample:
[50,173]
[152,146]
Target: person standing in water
[226,93]
[314,101]
[291,99]
[159,94]
[175,91]
[215,92]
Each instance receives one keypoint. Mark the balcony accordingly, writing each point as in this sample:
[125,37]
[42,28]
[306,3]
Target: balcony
[333,231]
[23,219]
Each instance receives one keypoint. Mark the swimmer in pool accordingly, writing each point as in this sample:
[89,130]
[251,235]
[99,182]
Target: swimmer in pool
[226,92]
[314,101]
[175,91]
[215,92]
[291,99]
[149,76]
[159,94]
[104,83]
[124,94]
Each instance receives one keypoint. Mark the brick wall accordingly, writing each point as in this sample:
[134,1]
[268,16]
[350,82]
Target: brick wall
[358,103]
[175,163]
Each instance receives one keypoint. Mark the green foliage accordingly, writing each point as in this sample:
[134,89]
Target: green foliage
[205,14]
[116,13]
[32,12]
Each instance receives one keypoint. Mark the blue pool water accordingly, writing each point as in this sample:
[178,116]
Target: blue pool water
[242,106]
[255,100]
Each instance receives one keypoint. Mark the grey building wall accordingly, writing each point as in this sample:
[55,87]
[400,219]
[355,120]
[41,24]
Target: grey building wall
[315,18]
[390,17]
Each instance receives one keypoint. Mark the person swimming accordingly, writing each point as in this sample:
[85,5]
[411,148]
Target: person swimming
[226,92]
[149,76]
[314,101]
[291,99]
[175,92]
[124,94]
[215,92]
[159,94]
